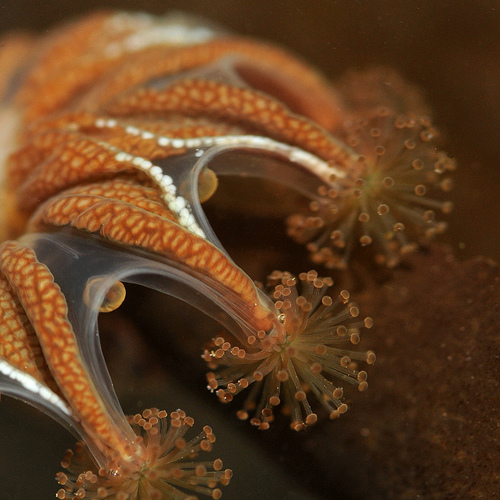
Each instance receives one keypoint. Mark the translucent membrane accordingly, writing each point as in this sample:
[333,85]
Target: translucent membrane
[20,385]
[243,156]
[85,267]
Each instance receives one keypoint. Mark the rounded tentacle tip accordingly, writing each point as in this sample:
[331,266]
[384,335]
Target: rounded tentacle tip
[161,464]
[306,353]
[113,298]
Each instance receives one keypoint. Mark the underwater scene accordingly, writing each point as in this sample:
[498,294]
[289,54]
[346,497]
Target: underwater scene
[249,252]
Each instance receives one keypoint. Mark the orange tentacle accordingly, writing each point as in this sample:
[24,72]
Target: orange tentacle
[128,191]
[73,161]
[129,225]
[240,105]
[18,341]
[263,64]
[46,308]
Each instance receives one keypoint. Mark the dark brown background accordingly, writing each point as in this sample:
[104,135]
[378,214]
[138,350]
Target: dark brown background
[449,48]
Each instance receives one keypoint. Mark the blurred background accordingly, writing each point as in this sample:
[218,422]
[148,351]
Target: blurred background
[448,48]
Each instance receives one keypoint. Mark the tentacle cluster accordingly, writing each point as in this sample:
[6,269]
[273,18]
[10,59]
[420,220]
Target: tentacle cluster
[307,352]
[163,465]
[389,197]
